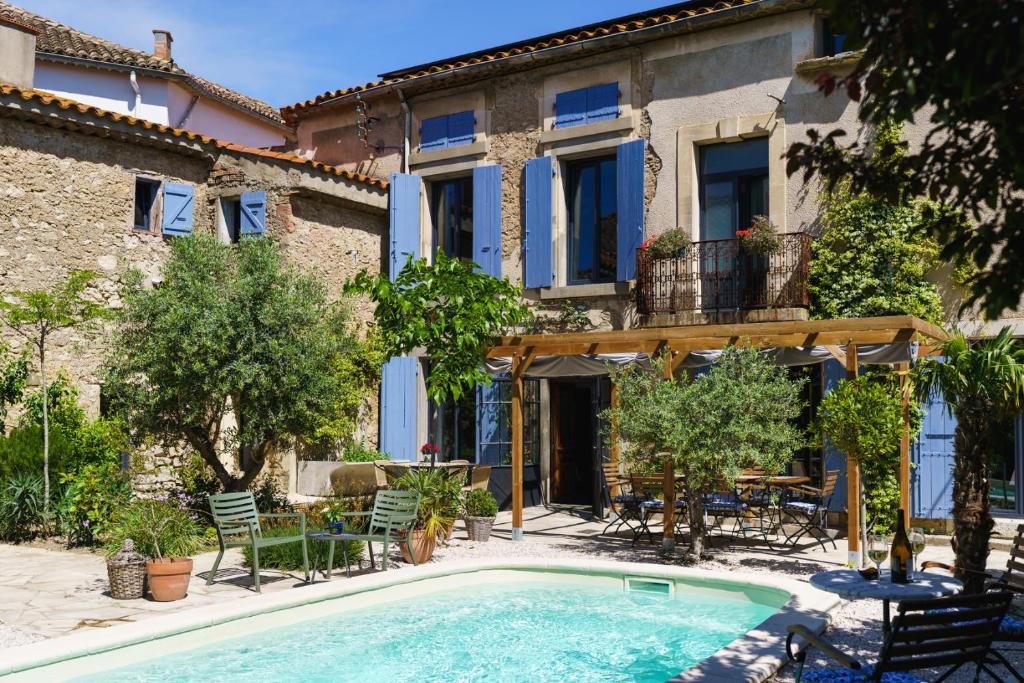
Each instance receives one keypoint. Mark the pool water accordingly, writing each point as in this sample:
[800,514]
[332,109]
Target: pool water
[536,631]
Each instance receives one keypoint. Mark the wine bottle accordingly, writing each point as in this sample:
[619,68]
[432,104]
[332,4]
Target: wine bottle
[900,554]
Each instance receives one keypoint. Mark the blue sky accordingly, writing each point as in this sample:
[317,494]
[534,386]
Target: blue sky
[284,52]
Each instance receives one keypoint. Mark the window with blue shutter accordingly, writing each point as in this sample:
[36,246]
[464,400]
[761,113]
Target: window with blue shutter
[252,216]
[630,190]
[487,219]
[398,388]
[404,223]
[450,130]
[931,477]
[587,105]
[537,259]
[177,212]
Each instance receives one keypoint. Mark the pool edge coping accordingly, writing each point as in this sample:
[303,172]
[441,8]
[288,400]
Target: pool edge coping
[752,657]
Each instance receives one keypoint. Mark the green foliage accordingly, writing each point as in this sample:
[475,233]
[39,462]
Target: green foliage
[159,528]
[13,375]
[739,414]
[669,244]
[481,503]
[439,500]
[938,57]
[359,452]
[22,509]
[269,496]
[872,257]
[358,371]
[863,418]
[235,331]
[451,310]
[21,452]
[94,496]
[288,556]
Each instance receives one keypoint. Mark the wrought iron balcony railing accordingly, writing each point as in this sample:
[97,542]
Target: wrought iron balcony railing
[718,275]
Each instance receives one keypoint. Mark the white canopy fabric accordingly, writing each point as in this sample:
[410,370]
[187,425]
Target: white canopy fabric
[597,365]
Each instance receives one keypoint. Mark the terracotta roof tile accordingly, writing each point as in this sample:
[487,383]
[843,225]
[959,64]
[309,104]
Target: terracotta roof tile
[48,99]
[655,17]
[60,39]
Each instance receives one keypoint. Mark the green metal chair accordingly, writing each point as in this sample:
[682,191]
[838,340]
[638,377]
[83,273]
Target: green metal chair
[392,520]
[235,515]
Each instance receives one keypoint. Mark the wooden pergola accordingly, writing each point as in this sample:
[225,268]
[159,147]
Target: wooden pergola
[840,337]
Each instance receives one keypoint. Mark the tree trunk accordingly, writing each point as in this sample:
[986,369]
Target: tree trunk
[698,530]
[972,514]
[46,430]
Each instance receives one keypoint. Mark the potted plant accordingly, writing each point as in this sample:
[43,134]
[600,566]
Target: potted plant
[481,509]
[167,535]
[434,518]
[669,244]
[761,238]
[429,450]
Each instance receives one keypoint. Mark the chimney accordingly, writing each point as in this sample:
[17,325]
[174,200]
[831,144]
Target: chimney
[17,52]
[162,43]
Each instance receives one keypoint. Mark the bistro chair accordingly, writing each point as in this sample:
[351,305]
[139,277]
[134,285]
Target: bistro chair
[648,488]
[618,492]
[808,506]
[1011,629]
[237,522]
[940,633]
[724,502]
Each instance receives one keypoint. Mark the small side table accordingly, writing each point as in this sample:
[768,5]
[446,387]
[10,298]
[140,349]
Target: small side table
[849,584]
[319,538]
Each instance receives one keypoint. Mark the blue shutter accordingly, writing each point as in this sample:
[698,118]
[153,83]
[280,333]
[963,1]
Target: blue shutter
[602,102]
[629,171]
[434,133]
[398,408]
[177,210]
[487,219]
[253,213]
[833,373]
[404,226]
[571,108]
[537,241]
[460,128]
[493,421]
[931,479]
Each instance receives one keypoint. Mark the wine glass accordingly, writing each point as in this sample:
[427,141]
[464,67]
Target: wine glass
[878,550]
[917,542]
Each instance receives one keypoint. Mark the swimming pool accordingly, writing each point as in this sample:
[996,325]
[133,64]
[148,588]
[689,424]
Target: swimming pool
[490,624]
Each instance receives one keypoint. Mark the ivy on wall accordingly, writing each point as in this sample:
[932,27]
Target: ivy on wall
[873,256]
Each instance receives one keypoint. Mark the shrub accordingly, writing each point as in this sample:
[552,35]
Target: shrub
[92,498]
[269,496]
[21,452]
[288,556]
[196,481]
[100,442]
[481,503]
[21,507]
[159,528]
[436,512]
[669,244]
[359,452]
[760,238]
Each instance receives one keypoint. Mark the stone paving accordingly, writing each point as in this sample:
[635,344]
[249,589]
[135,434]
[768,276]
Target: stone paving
[45,593]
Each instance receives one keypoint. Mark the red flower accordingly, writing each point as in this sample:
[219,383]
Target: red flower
[429,448]
[743,233]
[648,242]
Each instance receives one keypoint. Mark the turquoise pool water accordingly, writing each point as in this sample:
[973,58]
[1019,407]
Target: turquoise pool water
[537,631]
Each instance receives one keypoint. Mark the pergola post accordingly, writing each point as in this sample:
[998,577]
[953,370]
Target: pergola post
[853,484]
[517,449]
[904,369]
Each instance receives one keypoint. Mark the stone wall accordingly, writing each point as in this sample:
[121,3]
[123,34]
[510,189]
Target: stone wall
[67,203]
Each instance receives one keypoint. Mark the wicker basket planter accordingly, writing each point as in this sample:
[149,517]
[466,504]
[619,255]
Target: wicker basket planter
[479,528]
[126,572]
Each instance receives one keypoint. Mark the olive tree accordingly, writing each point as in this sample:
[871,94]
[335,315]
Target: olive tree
[738,414]
[234,355]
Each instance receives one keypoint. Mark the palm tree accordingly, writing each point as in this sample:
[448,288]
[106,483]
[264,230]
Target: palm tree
[982,383]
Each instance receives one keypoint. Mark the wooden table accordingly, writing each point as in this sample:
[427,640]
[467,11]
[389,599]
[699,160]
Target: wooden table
[849,584]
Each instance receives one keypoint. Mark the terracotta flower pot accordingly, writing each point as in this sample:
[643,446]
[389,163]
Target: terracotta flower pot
[168,578]
[422,544]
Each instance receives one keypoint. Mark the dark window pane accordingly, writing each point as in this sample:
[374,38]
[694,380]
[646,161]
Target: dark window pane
[734,157]
[145,197]
[733,186]
[453,217]
[593,221]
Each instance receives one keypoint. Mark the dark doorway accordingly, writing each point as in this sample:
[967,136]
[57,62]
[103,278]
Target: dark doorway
[572,453]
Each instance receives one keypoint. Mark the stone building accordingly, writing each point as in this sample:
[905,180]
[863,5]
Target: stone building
[84,188]
[551,160]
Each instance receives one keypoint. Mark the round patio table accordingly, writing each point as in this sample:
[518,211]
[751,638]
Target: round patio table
[849,584]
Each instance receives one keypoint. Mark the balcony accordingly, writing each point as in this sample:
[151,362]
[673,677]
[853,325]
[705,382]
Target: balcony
[718,277]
